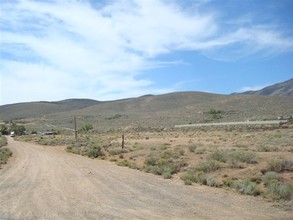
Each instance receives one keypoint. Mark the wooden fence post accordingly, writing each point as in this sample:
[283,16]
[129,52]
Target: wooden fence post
[122,141]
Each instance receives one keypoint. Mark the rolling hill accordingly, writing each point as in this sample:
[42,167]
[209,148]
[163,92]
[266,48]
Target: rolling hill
[36,109]
[279,89]
[164,110]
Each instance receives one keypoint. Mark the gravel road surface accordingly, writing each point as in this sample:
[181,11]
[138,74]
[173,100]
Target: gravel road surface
[43,182]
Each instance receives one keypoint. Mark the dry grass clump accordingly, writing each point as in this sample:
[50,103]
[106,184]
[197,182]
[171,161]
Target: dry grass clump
[280,165]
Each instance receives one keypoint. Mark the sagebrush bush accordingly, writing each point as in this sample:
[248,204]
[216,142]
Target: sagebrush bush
[229,182]
[5,153]
[164,165]
[265,148]
[270,176]
[3,141]
[219,156]
[212,182]
[278,191]
[93,152]
[117,152]
[280,165]
[208,166]
[193,176]
[247,187]
[234,158]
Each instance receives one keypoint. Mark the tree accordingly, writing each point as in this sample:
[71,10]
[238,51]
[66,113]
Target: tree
[4,129]
[18,129]
[215,114]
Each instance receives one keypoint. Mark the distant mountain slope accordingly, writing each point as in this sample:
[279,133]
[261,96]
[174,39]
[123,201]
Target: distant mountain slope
[36,109]
[150,111]
[175,108]
[279,89]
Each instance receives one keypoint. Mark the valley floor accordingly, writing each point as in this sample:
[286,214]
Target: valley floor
[43,182]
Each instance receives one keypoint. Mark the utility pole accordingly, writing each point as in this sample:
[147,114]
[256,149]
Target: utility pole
[75,131]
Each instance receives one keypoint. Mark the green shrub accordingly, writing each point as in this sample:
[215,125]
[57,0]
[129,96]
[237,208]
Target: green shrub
[117,152]
[270,176]
[93,152]
[234,158]
[3,141]
[192,176]
[229,182]
[5,153]
[219,156]
[247,187]
[208,166]
[278,191]
[243,156]
[161,166]
[123,163]
[151,160]
[75,149]
[265,148]
[189,177]
[212,182]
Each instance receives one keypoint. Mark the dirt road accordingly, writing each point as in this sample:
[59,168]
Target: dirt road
[47,183]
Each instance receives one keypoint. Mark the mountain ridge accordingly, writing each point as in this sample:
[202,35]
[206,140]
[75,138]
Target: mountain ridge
[279,89]
[164,105]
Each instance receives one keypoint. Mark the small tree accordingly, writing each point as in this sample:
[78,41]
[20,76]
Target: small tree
[4,129]
[18,129]
[215,114]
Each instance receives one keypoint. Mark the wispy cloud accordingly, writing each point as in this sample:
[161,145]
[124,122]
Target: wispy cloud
[59,49]
[252,88]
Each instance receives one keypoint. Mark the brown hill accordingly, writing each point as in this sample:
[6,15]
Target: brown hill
[36,109]
[152,111]
[176,108]
[279,89]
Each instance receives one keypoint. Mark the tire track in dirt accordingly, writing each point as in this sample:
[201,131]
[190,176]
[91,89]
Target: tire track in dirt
[47,183]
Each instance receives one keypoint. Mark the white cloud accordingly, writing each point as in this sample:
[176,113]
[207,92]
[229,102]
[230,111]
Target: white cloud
[59,49]
[252,88]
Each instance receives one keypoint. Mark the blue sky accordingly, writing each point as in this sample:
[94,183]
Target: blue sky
[110,49]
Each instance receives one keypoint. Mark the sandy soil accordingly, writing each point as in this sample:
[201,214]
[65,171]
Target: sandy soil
[48,183]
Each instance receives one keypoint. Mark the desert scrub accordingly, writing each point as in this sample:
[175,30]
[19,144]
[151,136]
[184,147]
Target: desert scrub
[117,152]
[126,163]
[280,165]
[92,151]
[212,182]
[229,182]
[270,176]
[208,166]
[265,148]
[247,187]
[3,141]
[164,164]
[277,191]
[234,157]
[73,148]
[5,153]
[192,148]
[193,176]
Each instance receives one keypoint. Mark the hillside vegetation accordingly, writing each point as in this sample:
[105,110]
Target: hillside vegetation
[36,109]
